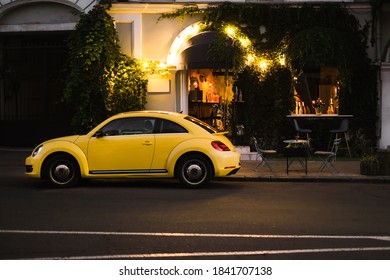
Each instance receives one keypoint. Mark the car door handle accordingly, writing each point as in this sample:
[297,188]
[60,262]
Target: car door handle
[147,143]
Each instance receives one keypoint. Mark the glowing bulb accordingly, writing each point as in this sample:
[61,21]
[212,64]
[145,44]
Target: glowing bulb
[282,60]
[250,59]
[230,31]
[263,65]
[162,65]
[245,42]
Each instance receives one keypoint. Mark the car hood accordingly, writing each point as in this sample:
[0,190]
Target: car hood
[72,139]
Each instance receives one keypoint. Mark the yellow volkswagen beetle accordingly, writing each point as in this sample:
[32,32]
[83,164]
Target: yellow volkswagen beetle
[143,144]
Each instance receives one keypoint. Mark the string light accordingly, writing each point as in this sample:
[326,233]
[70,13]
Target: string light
[151,67]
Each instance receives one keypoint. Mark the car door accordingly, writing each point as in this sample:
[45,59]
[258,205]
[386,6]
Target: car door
[168,135]
[122,146]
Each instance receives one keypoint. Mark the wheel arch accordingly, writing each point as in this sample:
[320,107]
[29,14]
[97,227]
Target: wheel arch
[52,155]
[190,153]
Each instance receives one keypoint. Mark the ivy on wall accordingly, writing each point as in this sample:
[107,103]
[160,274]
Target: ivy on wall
[322,35]
[101,81]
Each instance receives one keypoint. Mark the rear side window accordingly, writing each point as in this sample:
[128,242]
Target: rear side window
[203,125]
[171,127]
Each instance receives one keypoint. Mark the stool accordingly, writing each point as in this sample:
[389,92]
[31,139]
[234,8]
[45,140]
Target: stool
[342,129]
[302,130]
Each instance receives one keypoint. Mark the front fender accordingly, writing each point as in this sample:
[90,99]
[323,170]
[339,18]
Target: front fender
[54,147]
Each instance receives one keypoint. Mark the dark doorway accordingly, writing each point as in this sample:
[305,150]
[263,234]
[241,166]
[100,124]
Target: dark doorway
[32,67]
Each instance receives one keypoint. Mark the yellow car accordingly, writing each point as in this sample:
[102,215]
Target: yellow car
[143,144]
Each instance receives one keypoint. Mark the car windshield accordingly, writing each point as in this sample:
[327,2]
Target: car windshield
[203,125]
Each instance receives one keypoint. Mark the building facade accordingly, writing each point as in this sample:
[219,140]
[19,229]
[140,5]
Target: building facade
[32,50]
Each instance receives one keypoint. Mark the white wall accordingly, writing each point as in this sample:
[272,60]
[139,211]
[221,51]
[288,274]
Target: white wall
[384,141]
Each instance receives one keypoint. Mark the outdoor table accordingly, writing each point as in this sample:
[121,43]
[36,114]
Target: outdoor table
[320,130]
[298,152]
[319,117]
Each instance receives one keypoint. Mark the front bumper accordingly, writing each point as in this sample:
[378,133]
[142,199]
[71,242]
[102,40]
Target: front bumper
[32,167]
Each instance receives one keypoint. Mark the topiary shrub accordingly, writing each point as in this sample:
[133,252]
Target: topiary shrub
[369,165]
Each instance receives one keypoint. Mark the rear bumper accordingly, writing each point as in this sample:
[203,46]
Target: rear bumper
[229,165]
[234,171]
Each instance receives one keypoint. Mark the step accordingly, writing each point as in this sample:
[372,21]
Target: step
[246,153]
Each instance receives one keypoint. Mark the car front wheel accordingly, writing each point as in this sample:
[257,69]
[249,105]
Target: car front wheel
[62,171]
[194,171]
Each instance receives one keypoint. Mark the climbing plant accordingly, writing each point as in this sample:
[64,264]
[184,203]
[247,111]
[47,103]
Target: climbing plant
[308,35]
[101,80]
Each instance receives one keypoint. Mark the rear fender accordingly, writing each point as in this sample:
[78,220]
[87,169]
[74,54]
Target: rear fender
[187,147]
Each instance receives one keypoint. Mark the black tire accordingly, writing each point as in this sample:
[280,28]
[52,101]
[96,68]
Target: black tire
[194,171]
[62,171]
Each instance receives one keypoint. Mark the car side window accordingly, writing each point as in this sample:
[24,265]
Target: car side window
[129,126]
[171,127]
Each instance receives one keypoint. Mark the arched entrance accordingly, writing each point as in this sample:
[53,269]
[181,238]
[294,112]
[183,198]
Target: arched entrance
[204,86]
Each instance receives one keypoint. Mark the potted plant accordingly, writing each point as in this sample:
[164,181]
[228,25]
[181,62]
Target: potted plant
[318,106]
[296,150]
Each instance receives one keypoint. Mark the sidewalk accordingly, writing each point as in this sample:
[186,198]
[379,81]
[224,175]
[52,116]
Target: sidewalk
[349,171]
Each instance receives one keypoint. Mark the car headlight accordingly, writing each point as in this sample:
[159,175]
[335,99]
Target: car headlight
[37,150]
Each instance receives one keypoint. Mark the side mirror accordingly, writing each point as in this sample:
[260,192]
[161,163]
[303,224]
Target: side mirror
[99,134]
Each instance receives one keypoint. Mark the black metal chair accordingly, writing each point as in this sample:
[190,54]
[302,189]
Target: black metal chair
[344,126]
[328,157]
[299,130]
[263,155]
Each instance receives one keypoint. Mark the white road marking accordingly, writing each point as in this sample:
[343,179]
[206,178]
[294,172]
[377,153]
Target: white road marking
[181,234]
[214,235]
[216,254]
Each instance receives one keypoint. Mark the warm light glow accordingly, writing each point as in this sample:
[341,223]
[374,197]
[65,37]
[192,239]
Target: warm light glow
[245,42]
[230,31]
[282,60]
[250,59]
[162,65]
[233,32]
[155,67]
[263,65]
[184,36]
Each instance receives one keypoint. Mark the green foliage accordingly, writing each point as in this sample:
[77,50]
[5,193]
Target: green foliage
[267,103]
[127,86]
[96,69]
[230,58]
[369,165]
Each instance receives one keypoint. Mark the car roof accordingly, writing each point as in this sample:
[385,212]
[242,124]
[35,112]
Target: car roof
[149,112]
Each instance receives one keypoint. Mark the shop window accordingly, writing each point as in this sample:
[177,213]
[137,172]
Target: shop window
[317,84]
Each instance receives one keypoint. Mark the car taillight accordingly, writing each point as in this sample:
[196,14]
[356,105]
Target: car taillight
[218,145]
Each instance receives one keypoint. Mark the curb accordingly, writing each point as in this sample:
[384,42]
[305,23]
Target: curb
[313,179]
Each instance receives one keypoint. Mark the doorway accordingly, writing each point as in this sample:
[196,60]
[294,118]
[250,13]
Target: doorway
[31,84]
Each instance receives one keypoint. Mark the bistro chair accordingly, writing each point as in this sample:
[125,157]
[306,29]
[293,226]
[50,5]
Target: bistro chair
[299,130]
[342,129]
[329,157]
[263,155]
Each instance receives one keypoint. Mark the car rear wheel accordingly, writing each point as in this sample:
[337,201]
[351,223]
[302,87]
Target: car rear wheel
[194,171]
[62,171]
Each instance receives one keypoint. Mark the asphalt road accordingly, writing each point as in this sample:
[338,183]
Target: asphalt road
[157,219]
